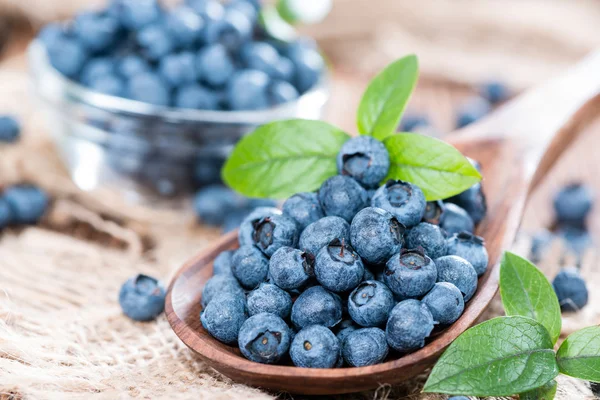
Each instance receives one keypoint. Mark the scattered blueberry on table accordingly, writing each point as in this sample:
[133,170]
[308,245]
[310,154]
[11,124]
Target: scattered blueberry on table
[22,205]
[10,129]
[570,289]
[142,298]
[573,203]
[201,54]
[347,277]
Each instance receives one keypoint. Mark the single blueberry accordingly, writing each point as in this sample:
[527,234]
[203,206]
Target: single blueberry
[410,274]
[218,284]
[246,233]
[428,236]
[459,272]
[445,302]
[573,203]
[472,201]
[50,33]
[96,31]
[366,346]
[209,10]
[250,266]
[27,203]
[108,84]
[268,298]
[412,122]
[184,25]
[67,55]
[433,212]
[213,203]
[214,66]
[130,66]
[10,129]
[495,92]
[370,303]
[304,208]
[142,298]
[291,268]
[281,92]
[365,159]
[136,14]
[570,289]
[275,231]
[315,347]
[338,267]
[317,306]
[96,68]
[222,263]
[149,88]
[309,66]
[410,323]
[247,90]
[403,199]
[284,70]
[231,31]
[376,235]
[178,69]
[345,328]
[264,338]
[248,8]
[473,110]
[455,219]
[342,196]
[259,56]
[197,97]
[155,41]
[471,248]
[223,317]
[320,233]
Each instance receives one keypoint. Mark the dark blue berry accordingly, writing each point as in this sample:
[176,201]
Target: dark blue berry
[291,268]
[246,233]
[250,266]
[96,68]
[315,347]
[410,323]
[445,302]
[149,88]
[247,90]
[317,306]
[213,203]
[410,274]
[130,66]
[231,31]
[50,33]
[403,200]
[472,201]
[96,31]
[184,25]
[260,56]
[345,328]
[223,317]
[155,41]
[433,212]
[455,219]
[459,272]
[108,84]
[196,97]
[309,67]
[570,289]
[222,263]
[218,284]
[136,14]
[370,303]
[342,196]
[214,66]
[264,338]
[471,248]
[178,69]
[27,203]
[304,208]
[273,232]
[376,235]
[428,236]
[495,92]
[10,129]
[573,203]
[475,109]
[281,92]
[268,298]
[411,122]
[67,55]
[366,346]
[142,298]
[320,233]
[365,159]
[338,267]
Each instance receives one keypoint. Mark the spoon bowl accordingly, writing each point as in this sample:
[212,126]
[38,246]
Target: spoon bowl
[516,146]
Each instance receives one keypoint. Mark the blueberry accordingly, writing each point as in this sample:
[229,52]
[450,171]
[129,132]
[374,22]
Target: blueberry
[264,338]
[178,69]
[366,346]
[213,203]
[97,32]
[304,208]
[455,219]
[317,306]
[281,92]
[471,248]
[184,25]
[135,14]
[10,129]
[577,239]
[291,268]
[223,317]
[320,233]
[149,88]
[218,284]
[247,90]
[376,235]
[50,33]
[403,199]
[411,122]
[108,84]
[231,31]
[573,203]
[155,42]
[539,243]
[459,272]
[96,68]
[370,303]
[338,267]
[428,236]
[410,323]
[27,203]
[275,231]
[67,55]
[142,298]
[249,266]
[246,233]
[130,66]
[260,56]
[196,97]
[365,159]
[234,219]
[309,67]
[495,92]
[245,7]
[222,263]
[209,10]
[214,65]
[5,214]
[473,110]
[570,289]
[445,302]
[284,70]
[342,196]
[433,212]
[472,201]
[268,298]
[345,328]
[410,274]
[315,347]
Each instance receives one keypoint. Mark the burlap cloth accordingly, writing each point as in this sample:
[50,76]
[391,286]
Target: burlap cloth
[62,334]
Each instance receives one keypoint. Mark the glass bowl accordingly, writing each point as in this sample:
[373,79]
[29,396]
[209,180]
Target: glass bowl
[151,155]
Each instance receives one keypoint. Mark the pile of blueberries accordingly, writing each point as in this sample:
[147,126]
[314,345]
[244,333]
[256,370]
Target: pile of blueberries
[344,274]
[203,54]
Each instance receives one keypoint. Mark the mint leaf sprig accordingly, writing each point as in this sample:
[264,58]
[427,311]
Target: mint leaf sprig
[282,158]
[514,354]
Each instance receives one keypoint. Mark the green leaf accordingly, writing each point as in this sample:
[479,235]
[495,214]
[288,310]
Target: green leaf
[579,354]
[284,157]
[435,166]
[277,27]
[383,102]
[526,292]
[546,392]
[303,11]
[500,357]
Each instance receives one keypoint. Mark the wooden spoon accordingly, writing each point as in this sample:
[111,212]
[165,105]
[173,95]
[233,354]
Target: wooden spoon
[516,146]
